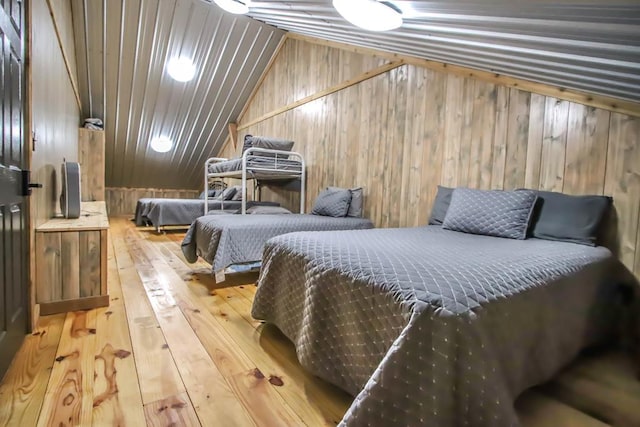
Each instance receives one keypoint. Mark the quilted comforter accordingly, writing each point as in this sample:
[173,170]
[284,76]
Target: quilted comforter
[260,167]
[235,239]
[161,212]
[427,326]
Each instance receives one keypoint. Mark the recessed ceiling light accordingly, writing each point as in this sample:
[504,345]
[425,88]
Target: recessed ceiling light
[371,15]
[181,69]
[234,6]
[161,144]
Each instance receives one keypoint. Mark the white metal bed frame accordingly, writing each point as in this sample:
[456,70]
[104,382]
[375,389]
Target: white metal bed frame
[279,173]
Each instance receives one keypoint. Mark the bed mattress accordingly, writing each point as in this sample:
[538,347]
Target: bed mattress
[235,239]
[260,167]
[162,212]
[433,327]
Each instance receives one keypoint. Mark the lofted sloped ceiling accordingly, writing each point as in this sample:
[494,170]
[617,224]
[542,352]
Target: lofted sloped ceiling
[585,45]
[123,47]
[590,46]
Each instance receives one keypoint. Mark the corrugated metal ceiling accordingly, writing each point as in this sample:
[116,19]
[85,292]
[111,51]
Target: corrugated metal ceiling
[590,46]
[122,49]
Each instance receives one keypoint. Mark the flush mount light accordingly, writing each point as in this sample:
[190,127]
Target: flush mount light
[371,15]
[234,6]
[161,144]
[181,69]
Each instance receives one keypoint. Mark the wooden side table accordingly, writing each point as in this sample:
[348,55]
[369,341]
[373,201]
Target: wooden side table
[71,261]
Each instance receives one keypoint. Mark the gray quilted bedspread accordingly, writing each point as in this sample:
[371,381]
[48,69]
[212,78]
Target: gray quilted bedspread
[184,212]
[258,166]
[432,327]
[234,239]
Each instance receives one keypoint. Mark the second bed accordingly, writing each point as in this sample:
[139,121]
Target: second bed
[224,240]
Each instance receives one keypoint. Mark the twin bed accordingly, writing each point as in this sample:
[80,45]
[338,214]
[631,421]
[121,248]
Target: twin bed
[263,160]
[239,239]
[163,212]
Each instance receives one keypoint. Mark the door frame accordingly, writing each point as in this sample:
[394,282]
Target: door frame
[34,312]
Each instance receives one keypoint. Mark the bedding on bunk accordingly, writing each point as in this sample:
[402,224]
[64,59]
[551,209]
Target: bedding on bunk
[162,212]
[259,167]
[427,326]
[144,204]
[236,239]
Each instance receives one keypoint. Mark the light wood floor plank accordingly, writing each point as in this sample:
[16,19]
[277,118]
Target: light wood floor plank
[216,390]
[317,402]
[248,291]
[69,395]
[117,400]
[605,386]
[157,373]
[256,394]
[174,411]
[23,388]
[537,410]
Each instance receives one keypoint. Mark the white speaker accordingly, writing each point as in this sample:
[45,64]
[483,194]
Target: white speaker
[70,197]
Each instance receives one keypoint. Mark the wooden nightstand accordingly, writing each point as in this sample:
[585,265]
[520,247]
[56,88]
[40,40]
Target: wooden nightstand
[71,261]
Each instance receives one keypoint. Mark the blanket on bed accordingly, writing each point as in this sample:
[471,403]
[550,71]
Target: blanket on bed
[161,212]
[184,212]
[235,239]
[433,327]
[259,166]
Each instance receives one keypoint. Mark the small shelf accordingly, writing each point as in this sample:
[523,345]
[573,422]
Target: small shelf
[93,216]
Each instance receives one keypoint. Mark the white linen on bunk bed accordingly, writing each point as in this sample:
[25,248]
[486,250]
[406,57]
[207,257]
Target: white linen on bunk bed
[261,164]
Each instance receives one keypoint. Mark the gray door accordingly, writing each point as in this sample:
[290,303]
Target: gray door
[13,205]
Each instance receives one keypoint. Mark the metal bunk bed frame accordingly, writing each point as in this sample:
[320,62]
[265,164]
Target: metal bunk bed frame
[278,173]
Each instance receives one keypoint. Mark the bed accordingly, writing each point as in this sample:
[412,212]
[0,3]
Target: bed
[263,160]
[427,326]
[446,324]
[163,212]
[237,239]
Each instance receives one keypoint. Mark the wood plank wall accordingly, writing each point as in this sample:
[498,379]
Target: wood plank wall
[55,112]
[402,133]
[122,201]
[91,157]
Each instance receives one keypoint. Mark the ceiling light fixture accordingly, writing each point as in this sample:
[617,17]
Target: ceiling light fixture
[234,6]
[161,144]
[371,15]
[181,69]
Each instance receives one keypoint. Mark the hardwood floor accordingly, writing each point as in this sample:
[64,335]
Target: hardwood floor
[175,349]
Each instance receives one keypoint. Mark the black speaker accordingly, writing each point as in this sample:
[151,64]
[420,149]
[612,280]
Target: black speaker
[70,197]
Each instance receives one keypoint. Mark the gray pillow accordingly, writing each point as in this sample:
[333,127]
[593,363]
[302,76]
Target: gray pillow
[227,194]
[356,203]
[440,205]
[490,212]
[271,144]
[247,143]
[238,195]
[212,194]
[565,218]
[332,202]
